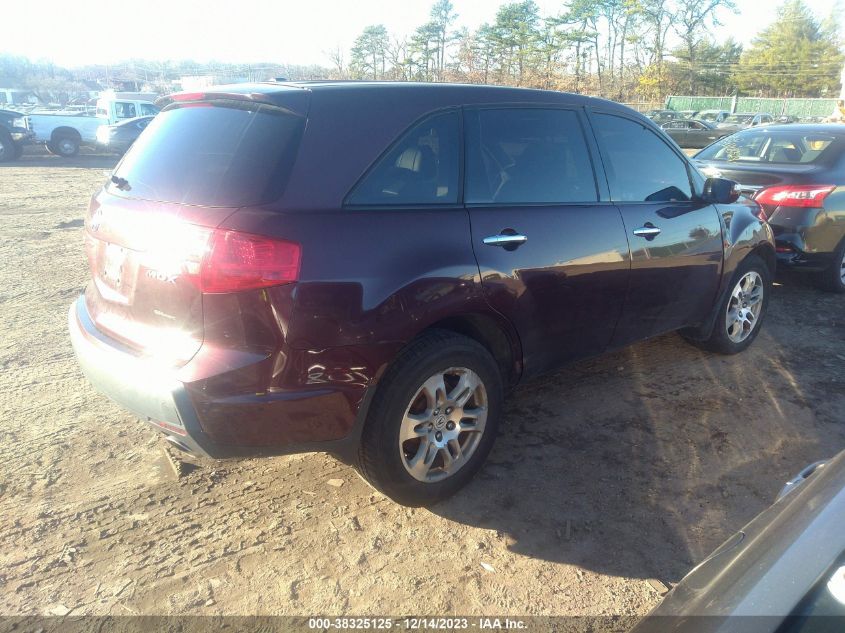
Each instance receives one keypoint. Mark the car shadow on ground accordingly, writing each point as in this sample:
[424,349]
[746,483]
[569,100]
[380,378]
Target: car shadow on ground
[640,462]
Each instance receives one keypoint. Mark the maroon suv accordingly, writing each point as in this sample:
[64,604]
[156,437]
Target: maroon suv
[366,269]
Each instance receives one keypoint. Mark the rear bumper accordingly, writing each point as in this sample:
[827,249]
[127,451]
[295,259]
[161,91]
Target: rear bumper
[805,240]
[149,391]
[795,253]
[157,396]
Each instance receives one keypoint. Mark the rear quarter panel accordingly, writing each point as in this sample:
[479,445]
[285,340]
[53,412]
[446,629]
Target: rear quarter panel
[743,233]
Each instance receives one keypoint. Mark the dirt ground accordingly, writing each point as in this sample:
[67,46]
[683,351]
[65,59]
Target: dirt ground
[607,475]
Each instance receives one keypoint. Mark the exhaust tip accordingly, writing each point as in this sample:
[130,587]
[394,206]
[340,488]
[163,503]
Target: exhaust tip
[178,444]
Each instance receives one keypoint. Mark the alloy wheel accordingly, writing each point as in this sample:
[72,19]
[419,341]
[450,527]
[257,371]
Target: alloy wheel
[744,307]
[443,424]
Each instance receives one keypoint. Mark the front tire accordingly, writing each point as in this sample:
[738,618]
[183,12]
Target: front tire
[433,420]
[742,310]
[833,279]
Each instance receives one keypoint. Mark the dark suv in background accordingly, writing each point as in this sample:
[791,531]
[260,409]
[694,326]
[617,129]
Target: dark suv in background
[366,269]
[13,135]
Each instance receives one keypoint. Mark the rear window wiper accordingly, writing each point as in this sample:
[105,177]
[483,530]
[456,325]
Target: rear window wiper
[121,183]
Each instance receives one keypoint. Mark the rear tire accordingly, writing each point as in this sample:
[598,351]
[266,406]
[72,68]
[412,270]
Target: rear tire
[433,419]
[66,146]
[833,279]
[742,310]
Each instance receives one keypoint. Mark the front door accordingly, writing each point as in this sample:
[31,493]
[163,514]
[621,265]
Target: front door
[553,259]
[676,240]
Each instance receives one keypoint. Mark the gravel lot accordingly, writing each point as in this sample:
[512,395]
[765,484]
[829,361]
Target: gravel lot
[607,475]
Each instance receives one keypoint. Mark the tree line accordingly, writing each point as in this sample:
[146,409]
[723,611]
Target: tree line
[628,50]
[621,49]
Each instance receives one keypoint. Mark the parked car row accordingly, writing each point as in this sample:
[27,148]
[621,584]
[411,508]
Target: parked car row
[697,129]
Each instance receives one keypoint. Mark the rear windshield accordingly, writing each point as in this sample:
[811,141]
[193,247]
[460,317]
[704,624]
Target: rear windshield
[222,153]
[766,146]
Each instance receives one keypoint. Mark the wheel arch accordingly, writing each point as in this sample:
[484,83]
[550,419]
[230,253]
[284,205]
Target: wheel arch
[766,252]
[494,335]
[65,132]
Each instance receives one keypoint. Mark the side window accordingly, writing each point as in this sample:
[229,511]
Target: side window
[124,110]
[147,109]
[640,166]
[527,155]
[422,168]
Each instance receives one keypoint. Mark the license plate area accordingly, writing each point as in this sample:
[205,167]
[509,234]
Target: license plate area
[114,259]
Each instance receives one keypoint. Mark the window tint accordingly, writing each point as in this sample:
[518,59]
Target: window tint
[226,153]
[148,110]
[640,166]
[527,155]
[124,110]
[422,168]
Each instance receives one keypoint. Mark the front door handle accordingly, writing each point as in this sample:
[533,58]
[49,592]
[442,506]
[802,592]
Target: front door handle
[505,239]
[649,231]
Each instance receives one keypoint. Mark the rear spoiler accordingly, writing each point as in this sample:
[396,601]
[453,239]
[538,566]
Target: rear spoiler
[293,100]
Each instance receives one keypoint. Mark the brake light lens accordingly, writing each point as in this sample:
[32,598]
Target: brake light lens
[236,261]
[187,96]
[805,196]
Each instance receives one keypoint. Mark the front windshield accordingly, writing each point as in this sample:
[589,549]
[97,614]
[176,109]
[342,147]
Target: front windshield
[765,146]
[738,118]
[709,116]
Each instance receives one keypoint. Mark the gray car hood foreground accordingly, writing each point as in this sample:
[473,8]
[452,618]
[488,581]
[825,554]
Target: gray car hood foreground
[766,568]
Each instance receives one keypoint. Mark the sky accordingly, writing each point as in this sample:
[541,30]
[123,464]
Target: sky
[79,32]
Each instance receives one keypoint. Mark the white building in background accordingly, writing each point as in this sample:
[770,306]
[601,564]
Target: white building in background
[201,82]
[17,96]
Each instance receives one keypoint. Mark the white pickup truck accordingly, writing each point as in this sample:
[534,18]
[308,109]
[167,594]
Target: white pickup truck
[64,132]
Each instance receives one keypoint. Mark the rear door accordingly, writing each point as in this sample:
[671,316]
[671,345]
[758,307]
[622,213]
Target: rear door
[676,240]
[551,248]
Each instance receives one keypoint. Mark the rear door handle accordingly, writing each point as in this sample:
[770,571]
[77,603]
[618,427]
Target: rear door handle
[649,231]
[505,239]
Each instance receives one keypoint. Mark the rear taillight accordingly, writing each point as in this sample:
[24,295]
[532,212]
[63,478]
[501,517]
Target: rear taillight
[794,195]
[236,261]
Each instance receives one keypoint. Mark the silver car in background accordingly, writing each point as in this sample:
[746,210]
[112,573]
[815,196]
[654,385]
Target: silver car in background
[784,572]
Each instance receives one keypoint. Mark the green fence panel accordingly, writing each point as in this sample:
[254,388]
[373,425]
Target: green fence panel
[698,103]
[775,107]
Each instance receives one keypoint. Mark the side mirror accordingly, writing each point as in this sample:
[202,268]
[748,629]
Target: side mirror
[720,191]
